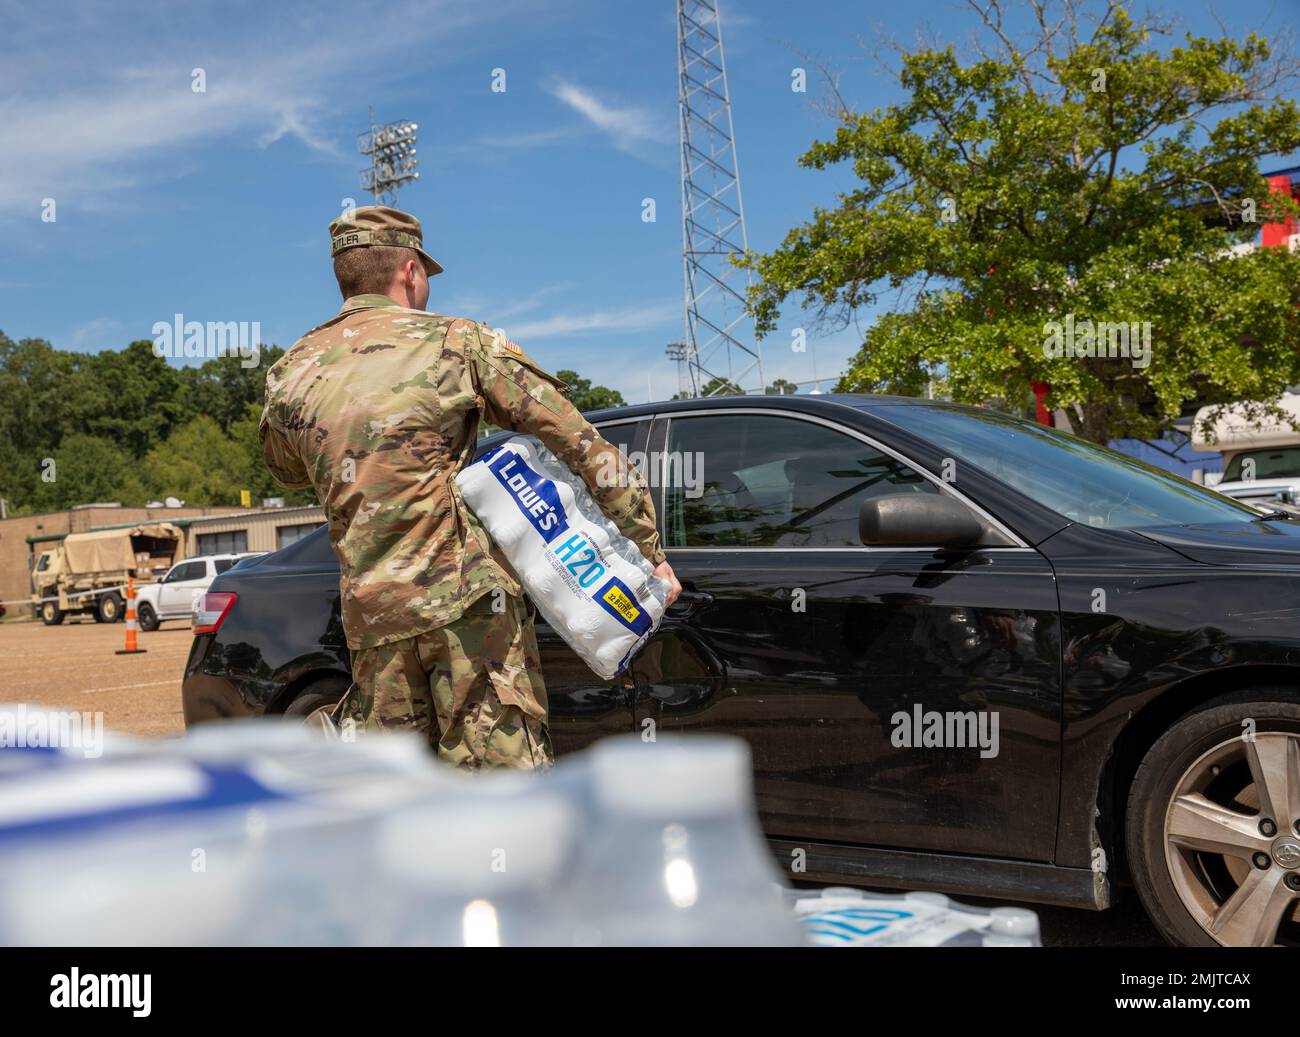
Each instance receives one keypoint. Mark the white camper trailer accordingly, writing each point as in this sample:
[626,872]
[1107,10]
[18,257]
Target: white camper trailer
[1261,453]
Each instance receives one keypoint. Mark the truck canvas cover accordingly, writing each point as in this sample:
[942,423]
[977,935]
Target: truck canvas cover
[111,550]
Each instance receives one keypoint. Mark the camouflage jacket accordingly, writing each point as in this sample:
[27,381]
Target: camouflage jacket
[378,409]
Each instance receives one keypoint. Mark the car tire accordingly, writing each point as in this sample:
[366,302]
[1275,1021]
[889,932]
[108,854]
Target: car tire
[148,617]
[51,614]
[109,608]
[324,692]
[1212,866]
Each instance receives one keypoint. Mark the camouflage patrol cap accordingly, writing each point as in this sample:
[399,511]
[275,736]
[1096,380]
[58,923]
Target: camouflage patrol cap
[380,225]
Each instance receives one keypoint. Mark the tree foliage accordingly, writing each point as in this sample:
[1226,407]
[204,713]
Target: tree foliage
[1095,170]
[124,425]
[585,396]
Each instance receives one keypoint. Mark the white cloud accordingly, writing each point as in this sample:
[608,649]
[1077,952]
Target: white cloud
[100,333]
[635,318]
[116,110]
[626,127]
[525,140]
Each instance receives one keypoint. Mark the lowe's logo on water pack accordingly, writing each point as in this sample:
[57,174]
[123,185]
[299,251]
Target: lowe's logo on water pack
[534,494]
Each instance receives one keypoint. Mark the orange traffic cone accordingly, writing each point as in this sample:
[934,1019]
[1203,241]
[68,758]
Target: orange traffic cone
[131,648]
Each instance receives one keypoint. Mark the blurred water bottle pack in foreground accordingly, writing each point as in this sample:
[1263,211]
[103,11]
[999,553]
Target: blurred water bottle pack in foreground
[264,833]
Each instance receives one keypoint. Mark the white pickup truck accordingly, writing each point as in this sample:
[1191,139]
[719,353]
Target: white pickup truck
[173,596]
[1261,453]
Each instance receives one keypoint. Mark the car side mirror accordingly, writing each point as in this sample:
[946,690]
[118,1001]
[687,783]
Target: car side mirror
[917,520]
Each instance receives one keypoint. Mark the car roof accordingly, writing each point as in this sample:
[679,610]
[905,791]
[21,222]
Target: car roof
[797,402]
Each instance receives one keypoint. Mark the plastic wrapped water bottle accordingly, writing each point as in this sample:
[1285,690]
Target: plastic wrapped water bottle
[672,853]
[480,870]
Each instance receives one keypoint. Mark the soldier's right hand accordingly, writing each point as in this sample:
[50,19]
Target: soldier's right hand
[665,572]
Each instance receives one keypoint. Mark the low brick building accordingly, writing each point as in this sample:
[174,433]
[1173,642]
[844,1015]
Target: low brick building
[215,530]
[17,534]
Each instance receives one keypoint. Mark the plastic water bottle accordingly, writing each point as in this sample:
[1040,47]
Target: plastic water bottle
[481,870]
[672,853]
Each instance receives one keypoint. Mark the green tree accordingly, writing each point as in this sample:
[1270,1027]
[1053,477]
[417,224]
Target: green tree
[34,380]
[107,419]
[721,387]
[257,480]
[199,464]
[127,395]
[585,396]
[781,387]
[1083,173]
[223,388]
[84,469]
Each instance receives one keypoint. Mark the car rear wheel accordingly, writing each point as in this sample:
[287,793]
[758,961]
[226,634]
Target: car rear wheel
[147,616]
[1213,826]
[51,614]
[324,693]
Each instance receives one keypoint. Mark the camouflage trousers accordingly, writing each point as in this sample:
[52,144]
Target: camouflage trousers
[473,687]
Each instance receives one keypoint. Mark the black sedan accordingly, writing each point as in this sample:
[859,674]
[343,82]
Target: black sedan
[970,653]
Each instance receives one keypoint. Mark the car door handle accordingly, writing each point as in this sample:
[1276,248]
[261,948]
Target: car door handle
[687,602]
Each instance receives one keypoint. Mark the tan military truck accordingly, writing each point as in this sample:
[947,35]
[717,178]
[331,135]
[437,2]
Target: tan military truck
[87,572]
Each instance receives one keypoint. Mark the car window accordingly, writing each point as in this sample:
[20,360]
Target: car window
[745,480]
[1079,480]
[624,435]
[223,564]
[1248,465]
[188,571]
[311,551]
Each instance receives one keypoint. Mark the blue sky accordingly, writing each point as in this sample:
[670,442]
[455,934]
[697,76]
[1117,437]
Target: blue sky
[215,204]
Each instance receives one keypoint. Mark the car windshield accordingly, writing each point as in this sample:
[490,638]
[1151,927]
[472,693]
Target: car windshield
[1080,480]
[1264,464]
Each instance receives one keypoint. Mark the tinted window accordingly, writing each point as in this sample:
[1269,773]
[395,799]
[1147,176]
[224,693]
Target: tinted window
[231,542]
[223,564]
[623,436]
[188,571]
[1080,480]
[286,535]
[747,480]
[312,551]
[1264,464]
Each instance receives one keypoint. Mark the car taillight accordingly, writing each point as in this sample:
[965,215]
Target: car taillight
[210,611]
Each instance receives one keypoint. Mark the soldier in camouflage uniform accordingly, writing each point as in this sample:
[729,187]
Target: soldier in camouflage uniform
[377,410]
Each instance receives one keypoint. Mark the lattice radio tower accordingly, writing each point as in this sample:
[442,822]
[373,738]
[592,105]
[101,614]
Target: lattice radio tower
[720,342]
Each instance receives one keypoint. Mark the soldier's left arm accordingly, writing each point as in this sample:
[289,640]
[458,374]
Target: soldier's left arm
[518,395]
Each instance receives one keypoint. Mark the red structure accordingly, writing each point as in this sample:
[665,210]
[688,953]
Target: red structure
[1277,234]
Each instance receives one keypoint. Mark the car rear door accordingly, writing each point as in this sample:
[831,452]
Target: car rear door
[835,661]
[583,707]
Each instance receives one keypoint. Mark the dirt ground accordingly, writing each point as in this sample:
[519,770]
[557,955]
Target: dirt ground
[73,666]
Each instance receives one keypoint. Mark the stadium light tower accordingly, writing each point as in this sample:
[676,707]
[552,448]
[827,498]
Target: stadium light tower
[720,341]
[391,150]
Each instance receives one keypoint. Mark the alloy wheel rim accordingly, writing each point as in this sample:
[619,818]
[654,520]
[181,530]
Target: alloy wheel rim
[1232,840]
